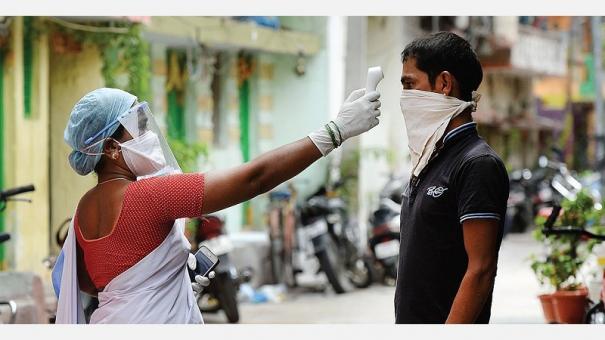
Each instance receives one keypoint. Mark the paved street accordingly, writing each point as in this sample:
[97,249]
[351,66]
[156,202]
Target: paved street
[516,290]
[514,298]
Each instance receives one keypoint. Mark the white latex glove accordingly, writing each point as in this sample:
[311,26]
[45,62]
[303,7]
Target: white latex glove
[358,114]
[201,282]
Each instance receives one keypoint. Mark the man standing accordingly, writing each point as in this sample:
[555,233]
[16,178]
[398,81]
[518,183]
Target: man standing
[454,206]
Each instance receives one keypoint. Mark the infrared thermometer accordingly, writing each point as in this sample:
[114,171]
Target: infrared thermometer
[375,75]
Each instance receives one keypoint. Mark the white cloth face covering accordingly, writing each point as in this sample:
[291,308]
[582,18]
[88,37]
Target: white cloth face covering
[427,115]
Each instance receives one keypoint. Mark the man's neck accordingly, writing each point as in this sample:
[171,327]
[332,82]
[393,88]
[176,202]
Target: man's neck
[458,121]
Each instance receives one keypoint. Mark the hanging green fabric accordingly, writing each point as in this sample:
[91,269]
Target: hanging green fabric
[176,119]
[244,127]
[244,119]
[28,61]
[176,90]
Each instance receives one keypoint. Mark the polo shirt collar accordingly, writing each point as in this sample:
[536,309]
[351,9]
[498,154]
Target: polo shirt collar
[462,130]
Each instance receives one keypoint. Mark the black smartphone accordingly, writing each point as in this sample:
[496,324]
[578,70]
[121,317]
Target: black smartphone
[206,262]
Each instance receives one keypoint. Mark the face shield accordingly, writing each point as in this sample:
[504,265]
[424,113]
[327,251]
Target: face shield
[147,154]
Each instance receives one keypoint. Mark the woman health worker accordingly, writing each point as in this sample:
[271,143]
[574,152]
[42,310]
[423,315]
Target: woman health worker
[126,243]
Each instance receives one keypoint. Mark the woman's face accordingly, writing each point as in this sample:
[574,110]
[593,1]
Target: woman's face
[137,124]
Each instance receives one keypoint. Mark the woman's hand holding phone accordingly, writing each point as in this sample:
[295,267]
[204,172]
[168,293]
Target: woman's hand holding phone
[200,282]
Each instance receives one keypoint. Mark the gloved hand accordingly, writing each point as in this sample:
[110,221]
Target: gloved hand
[359,113]
[201,282]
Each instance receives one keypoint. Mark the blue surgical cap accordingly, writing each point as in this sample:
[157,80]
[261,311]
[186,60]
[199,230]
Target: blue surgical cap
[91,114]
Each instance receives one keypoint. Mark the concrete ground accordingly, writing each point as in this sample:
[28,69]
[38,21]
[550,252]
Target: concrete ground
[516,288]
[515,298]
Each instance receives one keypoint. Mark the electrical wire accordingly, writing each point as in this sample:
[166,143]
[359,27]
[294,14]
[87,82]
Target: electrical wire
[87,28]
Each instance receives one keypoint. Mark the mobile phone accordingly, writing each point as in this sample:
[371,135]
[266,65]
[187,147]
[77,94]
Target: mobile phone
[206,262]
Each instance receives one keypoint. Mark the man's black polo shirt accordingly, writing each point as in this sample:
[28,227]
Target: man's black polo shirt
[465,179]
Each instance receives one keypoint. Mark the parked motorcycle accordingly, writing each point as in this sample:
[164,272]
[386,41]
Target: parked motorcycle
[315,238]
[5,197]
[8,195]
[12,306]
[564,184]
[303,239]
[533,192]
[384,239]
[345,234]
[521,201]
[221,294]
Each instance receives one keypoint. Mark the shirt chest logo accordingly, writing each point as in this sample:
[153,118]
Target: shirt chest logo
[435,191]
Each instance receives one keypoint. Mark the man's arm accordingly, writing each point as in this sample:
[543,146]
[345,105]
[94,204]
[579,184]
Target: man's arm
[480,242]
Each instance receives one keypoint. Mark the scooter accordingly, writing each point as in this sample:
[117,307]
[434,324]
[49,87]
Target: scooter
[221,294]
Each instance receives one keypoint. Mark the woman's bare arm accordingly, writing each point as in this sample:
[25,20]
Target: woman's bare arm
[225,188]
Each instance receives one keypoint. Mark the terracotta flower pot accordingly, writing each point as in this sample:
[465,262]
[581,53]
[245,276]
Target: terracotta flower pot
[570,305]
[548,308]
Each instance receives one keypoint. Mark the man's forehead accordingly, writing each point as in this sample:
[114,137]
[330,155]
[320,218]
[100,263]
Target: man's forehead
[409,67]
[409,62]
[409,71]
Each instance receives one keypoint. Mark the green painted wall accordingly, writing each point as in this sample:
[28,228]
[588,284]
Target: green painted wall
[2,264]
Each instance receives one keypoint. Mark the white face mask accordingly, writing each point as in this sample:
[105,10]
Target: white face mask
[427,115]
[143,154]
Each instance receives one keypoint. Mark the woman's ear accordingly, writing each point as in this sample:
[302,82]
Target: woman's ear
[444,83]
[111,149]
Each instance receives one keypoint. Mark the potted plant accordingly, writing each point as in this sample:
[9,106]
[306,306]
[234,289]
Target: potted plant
[543,271]
[558,267]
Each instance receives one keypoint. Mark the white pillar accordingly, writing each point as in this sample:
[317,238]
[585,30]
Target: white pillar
[337,52]
[265,97]
[229,154]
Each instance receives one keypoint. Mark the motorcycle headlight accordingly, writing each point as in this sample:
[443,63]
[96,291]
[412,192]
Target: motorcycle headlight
[333,218]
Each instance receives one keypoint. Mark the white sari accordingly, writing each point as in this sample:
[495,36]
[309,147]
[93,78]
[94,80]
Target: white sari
[155,290]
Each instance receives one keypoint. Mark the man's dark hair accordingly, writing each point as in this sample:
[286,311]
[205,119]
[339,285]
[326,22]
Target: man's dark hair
[445,51]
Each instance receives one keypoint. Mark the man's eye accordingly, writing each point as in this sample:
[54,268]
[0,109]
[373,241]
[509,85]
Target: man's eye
[407,85]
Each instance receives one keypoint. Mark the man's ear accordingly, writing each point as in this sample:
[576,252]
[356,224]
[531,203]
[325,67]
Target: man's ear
[111,148]
[444,83]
